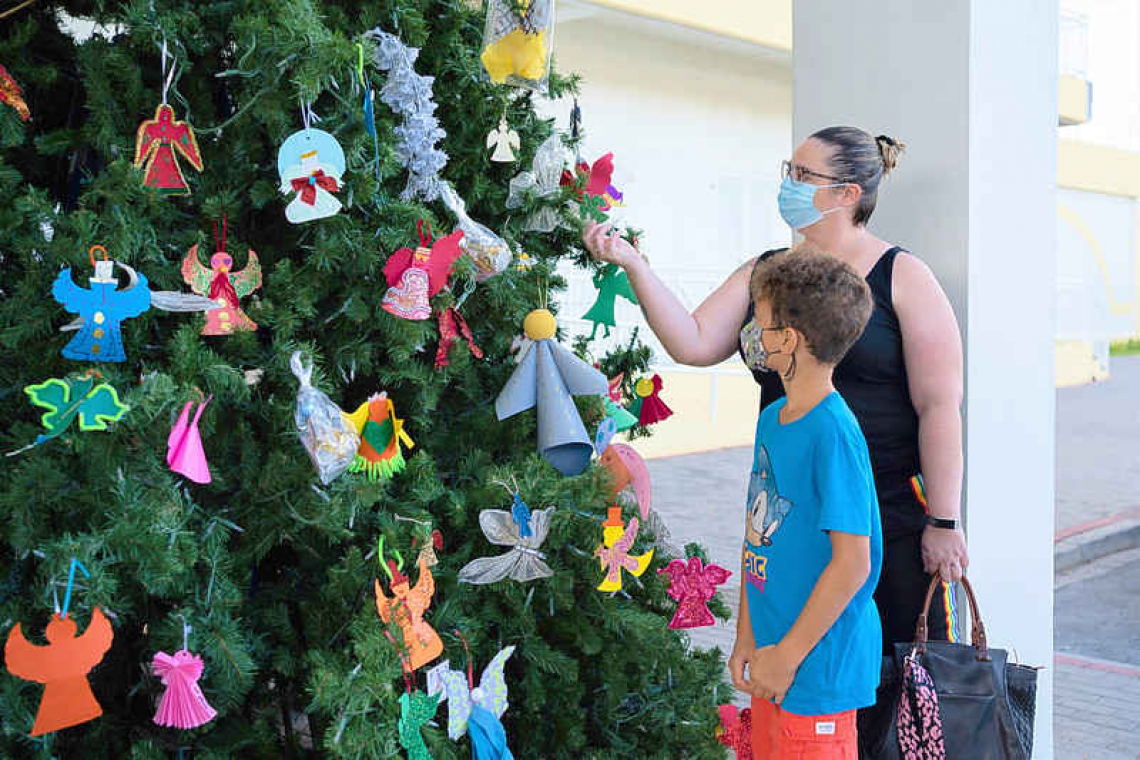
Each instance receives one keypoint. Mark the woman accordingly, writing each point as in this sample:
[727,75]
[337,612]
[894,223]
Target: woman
[902,378]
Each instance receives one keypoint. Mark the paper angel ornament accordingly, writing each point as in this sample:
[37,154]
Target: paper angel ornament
[505,141]
[489,252]
[648,406]
[11,94]
[164,300]
[541,181]
[158,144]
[62,667]
[77,397]
[102,309]
[592,184]
[477,710]
[523,531]
[184,452]
[627,468]
[607,429]
[693,584]
[311,163]
[611,282]
[381,433]
[223,286]
[415,277]
[735,730]
[416,709]
[328,435]
[614,552]
[406,607]
[182,704]
[547,377]
[614,410]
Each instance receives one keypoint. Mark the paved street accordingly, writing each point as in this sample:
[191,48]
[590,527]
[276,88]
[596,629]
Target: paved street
[1097,673]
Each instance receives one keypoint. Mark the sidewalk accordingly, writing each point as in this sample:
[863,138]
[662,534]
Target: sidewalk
[1097,701]
[1098,466]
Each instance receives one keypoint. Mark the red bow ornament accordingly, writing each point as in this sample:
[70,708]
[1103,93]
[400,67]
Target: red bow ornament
[307,186]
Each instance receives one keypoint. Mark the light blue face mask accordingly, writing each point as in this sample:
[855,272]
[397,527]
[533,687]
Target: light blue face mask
[797,203]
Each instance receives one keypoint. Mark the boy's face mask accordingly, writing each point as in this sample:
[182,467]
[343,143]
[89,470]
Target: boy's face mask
[751,341]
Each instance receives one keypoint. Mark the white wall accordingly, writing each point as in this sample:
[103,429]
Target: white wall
[1097,267]
[697,133]
[1113,67]
[971,87]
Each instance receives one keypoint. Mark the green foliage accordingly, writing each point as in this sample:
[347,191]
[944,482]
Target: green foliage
[273,571]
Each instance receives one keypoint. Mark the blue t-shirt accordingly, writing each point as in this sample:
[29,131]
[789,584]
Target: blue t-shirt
[811,476]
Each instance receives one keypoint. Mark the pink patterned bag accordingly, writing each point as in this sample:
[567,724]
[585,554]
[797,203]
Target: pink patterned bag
[919,722]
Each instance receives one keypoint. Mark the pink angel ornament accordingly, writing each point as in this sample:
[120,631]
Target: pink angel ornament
[182,705]
[693,584]
[184,452]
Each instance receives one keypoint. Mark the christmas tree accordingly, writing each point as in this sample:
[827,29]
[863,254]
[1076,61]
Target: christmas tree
[266,572]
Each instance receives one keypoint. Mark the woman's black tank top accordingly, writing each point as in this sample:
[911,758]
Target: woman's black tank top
[872,379]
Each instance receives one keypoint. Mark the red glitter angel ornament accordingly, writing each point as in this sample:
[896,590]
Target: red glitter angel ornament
[161,139]
[693,584]
[735,730]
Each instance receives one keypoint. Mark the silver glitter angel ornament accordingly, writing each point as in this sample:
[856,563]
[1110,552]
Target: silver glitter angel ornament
[523,531]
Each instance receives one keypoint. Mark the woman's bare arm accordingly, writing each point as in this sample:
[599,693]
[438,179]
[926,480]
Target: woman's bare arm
[932,348]
[708,335]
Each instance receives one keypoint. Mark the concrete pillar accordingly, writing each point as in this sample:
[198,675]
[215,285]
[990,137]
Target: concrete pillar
[971,87]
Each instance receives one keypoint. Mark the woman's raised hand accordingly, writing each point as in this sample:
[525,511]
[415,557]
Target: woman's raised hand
[605,244]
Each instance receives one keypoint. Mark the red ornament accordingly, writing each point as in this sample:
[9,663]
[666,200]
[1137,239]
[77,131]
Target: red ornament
[156,143]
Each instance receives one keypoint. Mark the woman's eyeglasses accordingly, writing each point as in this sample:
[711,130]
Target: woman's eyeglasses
[801,173]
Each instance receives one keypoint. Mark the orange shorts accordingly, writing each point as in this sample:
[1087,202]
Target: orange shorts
[780,735]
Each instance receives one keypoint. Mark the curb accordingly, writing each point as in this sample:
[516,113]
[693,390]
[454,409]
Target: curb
[1118,541]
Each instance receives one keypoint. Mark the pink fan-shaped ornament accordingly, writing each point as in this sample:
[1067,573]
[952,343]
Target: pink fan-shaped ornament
[182,704]
[184,452]
[627,467]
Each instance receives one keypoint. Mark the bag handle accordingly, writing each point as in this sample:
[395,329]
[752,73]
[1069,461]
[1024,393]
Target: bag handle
[978,629]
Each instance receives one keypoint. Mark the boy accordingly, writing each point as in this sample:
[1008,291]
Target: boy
[808,630]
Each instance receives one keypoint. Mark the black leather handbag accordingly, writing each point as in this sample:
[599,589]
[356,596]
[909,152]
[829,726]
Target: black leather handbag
[987,704]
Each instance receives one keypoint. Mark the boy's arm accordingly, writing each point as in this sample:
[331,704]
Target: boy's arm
[773,668]
[744,645]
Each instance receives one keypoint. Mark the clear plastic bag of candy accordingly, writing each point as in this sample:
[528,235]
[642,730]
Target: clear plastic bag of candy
[490,252]
[326,434]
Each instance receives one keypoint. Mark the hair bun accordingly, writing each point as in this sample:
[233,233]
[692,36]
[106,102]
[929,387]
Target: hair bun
[889,150]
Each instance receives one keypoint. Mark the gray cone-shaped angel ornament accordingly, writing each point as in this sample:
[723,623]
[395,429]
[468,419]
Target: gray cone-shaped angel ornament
[547,377]
[523,531]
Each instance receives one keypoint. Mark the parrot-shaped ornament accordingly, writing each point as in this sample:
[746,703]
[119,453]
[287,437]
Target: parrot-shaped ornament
[614,553]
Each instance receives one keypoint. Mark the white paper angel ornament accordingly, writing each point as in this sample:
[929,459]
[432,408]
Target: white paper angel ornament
[505,141]
[311,163]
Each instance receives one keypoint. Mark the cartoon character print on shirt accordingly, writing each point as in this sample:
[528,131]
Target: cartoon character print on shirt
[767,511]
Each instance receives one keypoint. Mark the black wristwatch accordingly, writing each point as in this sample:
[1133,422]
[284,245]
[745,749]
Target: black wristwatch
[940,522]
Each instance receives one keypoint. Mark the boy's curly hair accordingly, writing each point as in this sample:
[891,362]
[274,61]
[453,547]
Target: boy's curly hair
[818,295]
